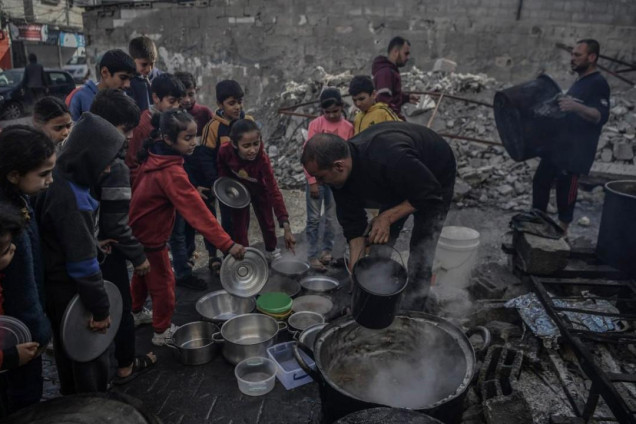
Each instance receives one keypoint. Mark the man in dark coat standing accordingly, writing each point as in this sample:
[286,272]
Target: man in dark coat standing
[34,78]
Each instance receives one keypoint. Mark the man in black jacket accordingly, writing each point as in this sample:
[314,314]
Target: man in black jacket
[403,169]
[66,216]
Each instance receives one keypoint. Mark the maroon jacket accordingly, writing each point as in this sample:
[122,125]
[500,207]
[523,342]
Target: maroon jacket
[256,175]
[388,84]
[201,114]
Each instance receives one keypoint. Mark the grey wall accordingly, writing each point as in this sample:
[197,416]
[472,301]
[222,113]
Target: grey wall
[265,43]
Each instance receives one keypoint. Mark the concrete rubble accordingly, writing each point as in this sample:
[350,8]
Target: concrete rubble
[487,176]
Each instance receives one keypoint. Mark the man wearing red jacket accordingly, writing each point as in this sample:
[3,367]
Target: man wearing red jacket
[387,79]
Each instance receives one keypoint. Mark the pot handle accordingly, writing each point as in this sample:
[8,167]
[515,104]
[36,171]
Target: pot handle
[485,335]
[171,345]
[299,358]
[282,325]
[217,337]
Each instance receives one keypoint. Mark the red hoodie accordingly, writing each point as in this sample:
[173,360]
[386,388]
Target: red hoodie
[257,175]
[161,186]
[388,84]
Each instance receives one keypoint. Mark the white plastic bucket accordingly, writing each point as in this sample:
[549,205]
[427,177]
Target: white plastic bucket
[455,257]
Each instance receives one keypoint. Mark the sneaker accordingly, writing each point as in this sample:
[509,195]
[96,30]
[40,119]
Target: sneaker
[142,317]
[160,339]
[192,282]
[273,255]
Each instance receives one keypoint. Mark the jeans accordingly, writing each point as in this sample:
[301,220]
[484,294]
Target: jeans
[313,221]
[182,247]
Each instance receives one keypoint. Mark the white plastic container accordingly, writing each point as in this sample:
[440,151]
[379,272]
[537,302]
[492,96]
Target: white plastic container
[288,371]
[255,376]
[456,256]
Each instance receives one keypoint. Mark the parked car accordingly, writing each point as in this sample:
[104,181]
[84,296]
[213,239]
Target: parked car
[15,100]
[77,67]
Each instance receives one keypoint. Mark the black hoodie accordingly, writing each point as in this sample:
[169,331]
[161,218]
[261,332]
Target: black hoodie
[66,212]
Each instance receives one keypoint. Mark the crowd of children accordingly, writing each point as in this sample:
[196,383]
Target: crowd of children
[117,178]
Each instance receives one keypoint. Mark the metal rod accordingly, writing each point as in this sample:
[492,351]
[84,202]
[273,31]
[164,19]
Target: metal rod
[303,115]
[620,77]
[597,313]
[439,101]
[620,71]
[477,140]
[450,96]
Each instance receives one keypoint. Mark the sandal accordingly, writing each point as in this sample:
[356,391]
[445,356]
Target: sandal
[141,364]
[215,265]
[326,257]
[316,265]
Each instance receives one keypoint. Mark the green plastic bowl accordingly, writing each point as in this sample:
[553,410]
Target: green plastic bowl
[274,302]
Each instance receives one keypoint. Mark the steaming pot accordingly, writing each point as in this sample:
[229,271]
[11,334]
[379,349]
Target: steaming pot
[419,362]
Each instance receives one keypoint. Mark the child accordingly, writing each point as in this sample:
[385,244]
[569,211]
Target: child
[51,116]
[66,215]
[11,225]
[331,121]
[202,114]
[116,69]
[245,159]
[113,194]
[144,53]
[167,92]
[371,112]
[27,158]
[229,100]
[161,188]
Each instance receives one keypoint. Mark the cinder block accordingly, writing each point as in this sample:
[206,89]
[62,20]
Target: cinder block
[540,255]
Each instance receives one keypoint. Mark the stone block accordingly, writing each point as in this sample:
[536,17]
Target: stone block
[623,151]
[508,409]
[505,189]
[486,288]
[540,255]
[444,65]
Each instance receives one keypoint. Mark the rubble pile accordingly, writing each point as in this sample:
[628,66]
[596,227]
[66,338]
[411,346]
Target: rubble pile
[487,176]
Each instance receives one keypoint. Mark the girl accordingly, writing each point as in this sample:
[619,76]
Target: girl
[27,158]
[245,159]
[331,121]
[162,186]
[51,116]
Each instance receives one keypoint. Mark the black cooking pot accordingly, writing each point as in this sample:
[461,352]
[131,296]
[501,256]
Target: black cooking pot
[528,117]
[387,416]
[420,362]
[617,235]
[378,284]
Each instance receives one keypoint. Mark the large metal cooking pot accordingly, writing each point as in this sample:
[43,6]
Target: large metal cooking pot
[193,344]
[617,235]
[290,267]
[219,306]
[247,335]
[419,362]
[387,416]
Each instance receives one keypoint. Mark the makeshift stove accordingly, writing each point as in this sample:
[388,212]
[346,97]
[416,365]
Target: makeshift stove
[584,279]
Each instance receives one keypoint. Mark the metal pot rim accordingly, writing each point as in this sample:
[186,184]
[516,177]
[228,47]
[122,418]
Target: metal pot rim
[447,326]
[217,293]
[185,326]
[260,316]
[609,187]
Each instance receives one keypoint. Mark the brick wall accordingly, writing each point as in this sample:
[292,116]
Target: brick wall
[264,43]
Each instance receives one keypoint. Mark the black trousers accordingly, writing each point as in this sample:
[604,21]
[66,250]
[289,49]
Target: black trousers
[114,269]
[427,226]
[23,385]
[566,183]
[75,377]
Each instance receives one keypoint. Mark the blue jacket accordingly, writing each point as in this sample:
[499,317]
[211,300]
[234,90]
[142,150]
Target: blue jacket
[82,100]
[23,283]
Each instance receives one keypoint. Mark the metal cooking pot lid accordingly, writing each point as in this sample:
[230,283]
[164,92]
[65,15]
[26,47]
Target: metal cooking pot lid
[231,193]
[13,332]
[247,277]
[319,283]
[312,303]
[80,343]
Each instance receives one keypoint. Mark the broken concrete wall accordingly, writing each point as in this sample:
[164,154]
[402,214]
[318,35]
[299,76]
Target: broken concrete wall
[262,44]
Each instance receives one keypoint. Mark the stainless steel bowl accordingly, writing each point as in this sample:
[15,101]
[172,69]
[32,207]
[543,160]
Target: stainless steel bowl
[248,335]
[247,277]
[319,283]
[301,321]
[290,267]
[280,283]
[219,306]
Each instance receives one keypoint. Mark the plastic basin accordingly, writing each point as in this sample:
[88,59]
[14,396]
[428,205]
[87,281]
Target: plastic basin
[255,376]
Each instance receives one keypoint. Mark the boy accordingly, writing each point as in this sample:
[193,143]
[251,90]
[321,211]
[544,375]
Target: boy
[182,240]
[167,92]
[371,112]
[229,100]
[66,214]
[144,53]
[116,69]
[113,194]
[202,114]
